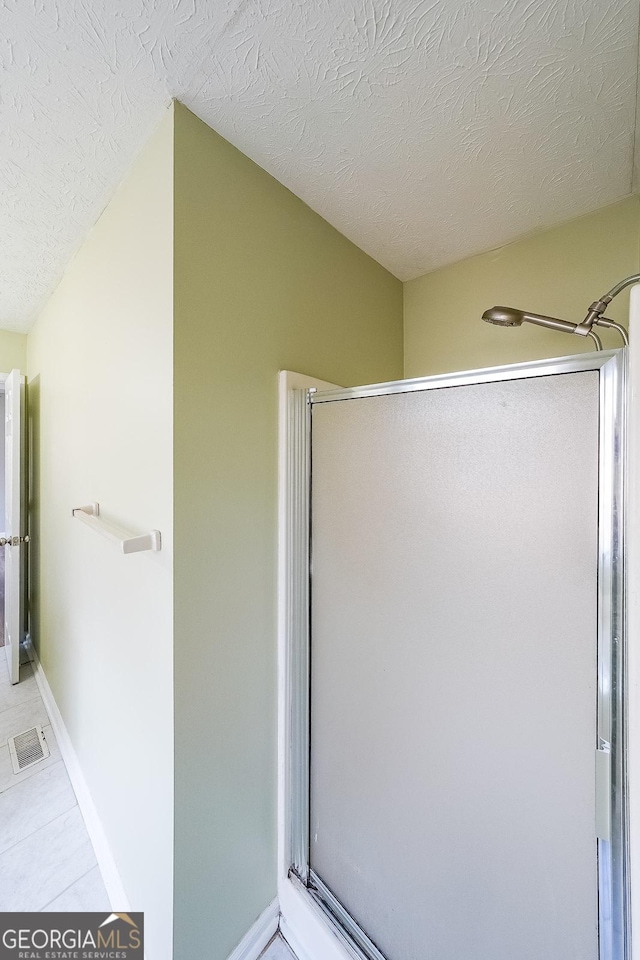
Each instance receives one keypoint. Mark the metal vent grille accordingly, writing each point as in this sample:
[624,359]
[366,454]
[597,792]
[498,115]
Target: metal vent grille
[28,748]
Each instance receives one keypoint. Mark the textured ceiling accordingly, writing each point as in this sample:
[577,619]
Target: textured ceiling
[425,131]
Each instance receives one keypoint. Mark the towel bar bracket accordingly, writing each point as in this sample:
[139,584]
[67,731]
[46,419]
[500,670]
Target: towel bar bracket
[128,542]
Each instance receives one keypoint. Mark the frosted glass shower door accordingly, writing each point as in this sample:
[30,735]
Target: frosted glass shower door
[456,553]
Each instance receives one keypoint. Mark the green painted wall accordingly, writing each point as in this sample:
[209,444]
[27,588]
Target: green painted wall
[558,272]
[261,283]
[13,351]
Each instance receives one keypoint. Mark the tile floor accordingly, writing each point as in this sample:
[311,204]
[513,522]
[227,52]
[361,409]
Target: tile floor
[47,862]
[278,949]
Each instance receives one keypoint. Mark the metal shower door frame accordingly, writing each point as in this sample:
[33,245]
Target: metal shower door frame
[610,768]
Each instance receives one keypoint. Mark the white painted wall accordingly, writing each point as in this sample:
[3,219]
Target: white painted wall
[100,368]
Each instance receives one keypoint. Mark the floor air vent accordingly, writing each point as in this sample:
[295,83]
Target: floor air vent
[28,748]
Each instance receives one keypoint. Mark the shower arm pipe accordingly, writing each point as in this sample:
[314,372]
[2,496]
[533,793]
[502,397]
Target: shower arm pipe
[620,286]
[596,311]
[598,342]
[609,324]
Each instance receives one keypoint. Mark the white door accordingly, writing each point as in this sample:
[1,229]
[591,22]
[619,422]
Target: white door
[13,607]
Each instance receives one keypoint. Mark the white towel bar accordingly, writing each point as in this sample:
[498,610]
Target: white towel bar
[90,514]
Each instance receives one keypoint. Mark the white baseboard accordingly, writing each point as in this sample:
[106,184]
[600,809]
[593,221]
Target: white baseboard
[110,875]
[259,935]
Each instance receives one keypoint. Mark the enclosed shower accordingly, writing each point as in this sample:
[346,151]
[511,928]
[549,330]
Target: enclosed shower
[454,661]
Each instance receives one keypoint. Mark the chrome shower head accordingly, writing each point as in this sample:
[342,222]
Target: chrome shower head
[504,316]
[510,317]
